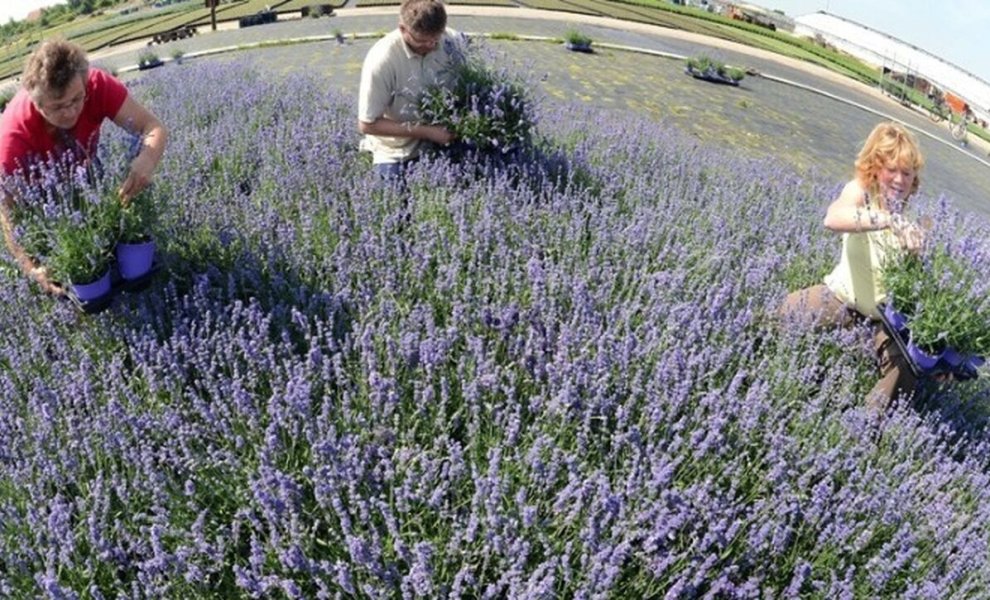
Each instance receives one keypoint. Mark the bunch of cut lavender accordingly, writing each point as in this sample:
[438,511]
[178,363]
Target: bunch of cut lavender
[484,107]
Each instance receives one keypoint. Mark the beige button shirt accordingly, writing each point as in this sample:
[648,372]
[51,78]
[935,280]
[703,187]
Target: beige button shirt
[392,79]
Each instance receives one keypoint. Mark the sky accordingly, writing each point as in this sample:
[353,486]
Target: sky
[18,9]
[951,29]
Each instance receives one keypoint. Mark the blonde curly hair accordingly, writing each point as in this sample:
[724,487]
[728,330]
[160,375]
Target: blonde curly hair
[889,144]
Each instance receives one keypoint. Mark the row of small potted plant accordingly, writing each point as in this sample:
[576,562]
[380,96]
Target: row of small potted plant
[705,67]
[149,60]
[940,308]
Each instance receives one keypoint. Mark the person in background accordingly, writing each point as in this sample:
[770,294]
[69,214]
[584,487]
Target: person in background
[869,215]
[396,70]
[58,112]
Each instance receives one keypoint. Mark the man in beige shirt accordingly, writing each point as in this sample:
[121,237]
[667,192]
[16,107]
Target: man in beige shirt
[419,53]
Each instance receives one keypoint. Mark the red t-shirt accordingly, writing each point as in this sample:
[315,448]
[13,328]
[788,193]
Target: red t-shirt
[25,138]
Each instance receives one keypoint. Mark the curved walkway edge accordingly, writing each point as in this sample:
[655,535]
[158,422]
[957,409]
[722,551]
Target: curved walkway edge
[618,47]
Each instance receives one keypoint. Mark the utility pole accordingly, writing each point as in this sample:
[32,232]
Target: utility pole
[212,5]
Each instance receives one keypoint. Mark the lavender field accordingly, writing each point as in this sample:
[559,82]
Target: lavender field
[557,380]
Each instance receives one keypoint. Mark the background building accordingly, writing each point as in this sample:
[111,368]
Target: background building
[757,15]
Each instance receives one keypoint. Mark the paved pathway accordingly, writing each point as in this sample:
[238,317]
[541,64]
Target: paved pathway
[812,131]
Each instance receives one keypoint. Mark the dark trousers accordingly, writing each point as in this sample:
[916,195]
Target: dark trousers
[392,172]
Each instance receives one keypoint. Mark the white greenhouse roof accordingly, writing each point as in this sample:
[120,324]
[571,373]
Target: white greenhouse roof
[881,49]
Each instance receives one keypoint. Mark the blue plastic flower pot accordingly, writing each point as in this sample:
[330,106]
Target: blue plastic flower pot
[89,292]
[135,260]
[925,361]
[896,319]
[953,358]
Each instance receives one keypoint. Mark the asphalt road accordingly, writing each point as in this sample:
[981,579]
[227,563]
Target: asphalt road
[813,132]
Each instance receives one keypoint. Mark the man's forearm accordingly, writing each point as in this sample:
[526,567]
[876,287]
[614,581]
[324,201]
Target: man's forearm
[27,264]
[389,127]
[16,250]
[437,134]
[154,140]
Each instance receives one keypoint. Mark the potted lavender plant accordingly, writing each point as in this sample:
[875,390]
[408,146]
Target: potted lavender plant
[939,307]
[68,227]
[149,60]
[79,254]
[135,248]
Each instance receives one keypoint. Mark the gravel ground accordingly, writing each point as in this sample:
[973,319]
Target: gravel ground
[763,117]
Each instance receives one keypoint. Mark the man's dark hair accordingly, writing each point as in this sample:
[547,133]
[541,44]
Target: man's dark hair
[423,16]
[52,67]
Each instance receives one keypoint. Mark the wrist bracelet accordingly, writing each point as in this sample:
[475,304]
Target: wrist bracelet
[897,221]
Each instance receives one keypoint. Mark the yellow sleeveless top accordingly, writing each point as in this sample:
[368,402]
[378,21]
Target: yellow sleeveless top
[858,278]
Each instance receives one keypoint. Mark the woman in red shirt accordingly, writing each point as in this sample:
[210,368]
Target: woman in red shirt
[60,108]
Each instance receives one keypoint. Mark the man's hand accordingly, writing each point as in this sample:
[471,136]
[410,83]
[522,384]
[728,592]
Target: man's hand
[438,134]
[40,275]
[142,169]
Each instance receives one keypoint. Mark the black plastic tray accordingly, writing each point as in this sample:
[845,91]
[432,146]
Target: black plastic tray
[896,336]
[713,77]
[918,372]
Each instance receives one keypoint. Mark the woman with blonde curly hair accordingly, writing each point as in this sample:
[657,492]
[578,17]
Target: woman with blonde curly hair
[869,215]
